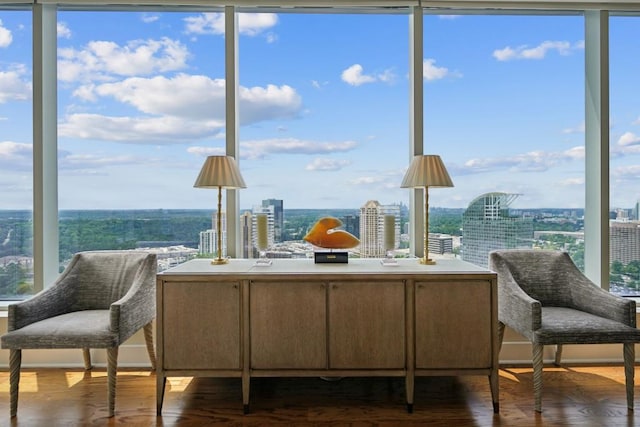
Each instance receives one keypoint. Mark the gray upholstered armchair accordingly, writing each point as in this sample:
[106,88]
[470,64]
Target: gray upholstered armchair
[543,296]
[100,300]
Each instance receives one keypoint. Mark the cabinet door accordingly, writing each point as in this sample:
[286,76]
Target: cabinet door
[367,325]
[201,325]
[453,324]
[288,325]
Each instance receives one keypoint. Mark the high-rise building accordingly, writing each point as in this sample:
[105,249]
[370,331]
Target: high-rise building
[269,212]
[624,241]
[246,235]
[372,216]
[440,243]
[487,225]
[209,238]
[352,224]
[278,217]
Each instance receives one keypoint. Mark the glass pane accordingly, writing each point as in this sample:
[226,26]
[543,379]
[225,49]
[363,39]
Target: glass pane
[16,156]
[324,110]
[624,254]
[140,95]
[504,108]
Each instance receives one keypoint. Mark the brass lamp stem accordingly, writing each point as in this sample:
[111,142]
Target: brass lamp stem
[219,260]
[425,259]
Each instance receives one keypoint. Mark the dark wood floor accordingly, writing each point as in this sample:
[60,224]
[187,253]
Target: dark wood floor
[572,396]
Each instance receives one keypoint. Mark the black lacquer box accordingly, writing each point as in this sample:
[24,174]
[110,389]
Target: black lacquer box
[331,257]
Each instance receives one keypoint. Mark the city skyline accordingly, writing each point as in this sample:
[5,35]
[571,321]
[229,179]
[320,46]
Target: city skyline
[324,108]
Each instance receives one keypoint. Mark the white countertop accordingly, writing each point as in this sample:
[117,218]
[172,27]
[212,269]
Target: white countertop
[203,266]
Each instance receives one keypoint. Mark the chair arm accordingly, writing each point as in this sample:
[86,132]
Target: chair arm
[138,306]
[517,309]
[50,302]
[589,297]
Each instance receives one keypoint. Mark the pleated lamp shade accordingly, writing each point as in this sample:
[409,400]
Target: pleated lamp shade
[220,171]
[426,171]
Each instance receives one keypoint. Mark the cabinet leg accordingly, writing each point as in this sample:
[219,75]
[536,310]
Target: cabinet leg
[161,381]
[245,392]
[493,383]
[409,386]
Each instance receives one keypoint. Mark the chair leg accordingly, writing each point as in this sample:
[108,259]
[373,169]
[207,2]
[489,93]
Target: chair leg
[148,337]
[629,368]
[537,376]
[15,359]
[500,335]
[86,355]
[112,363]
[558,354]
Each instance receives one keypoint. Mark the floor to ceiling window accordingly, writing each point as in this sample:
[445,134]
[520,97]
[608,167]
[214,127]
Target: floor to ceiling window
[324,109]
[624,54]
[323,104]
[140,97]
[16,159]
[504,108]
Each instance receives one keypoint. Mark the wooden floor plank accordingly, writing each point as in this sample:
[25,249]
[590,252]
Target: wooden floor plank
[572,396]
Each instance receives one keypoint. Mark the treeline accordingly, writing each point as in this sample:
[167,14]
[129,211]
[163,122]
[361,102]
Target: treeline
[113,233]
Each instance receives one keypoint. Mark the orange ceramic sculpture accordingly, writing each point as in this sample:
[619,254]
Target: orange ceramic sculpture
[324,235]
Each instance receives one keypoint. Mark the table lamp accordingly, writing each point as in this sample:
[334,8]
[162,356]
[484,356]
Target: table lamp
[424,172]
[218,172]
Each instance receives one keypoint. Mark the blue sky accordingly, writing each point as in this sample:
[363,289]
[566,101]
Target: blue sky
[324,108]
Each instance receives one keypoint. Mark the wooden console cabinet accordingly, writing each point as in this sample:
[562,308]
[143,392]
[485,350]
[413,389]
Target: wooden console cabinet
[297,318]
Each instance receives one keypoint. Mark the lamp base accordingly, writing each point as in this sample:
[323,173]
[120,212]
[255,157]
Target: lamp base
[219,261]
[427,261]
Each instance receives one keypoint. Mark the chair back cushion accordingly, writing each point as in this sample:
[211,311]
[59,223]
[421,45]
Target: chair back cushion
[540,273]
[103,277]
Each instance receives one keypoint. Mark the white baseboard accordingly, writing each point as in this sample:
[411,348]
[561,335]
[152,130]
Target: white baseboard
[136,356]
[129,355]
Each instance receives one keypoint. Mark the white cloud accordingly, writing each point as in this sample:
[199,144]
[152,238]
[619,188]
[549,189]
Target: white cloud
[13,150]
[324,164]
[534,161]
[318,85]
[267,103]
[627,172]
[578,129]
[15,84]
[250,24]
[258,149]
[148,18]
[262,148]
[206,151]
[15,155]
[628,139]
[571,182]
[431,72]
[63,30]
[537,52]
[354,75]
[5,36]
[136,130]
[192,105]
[90,161]
[367,180]
[101,60]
